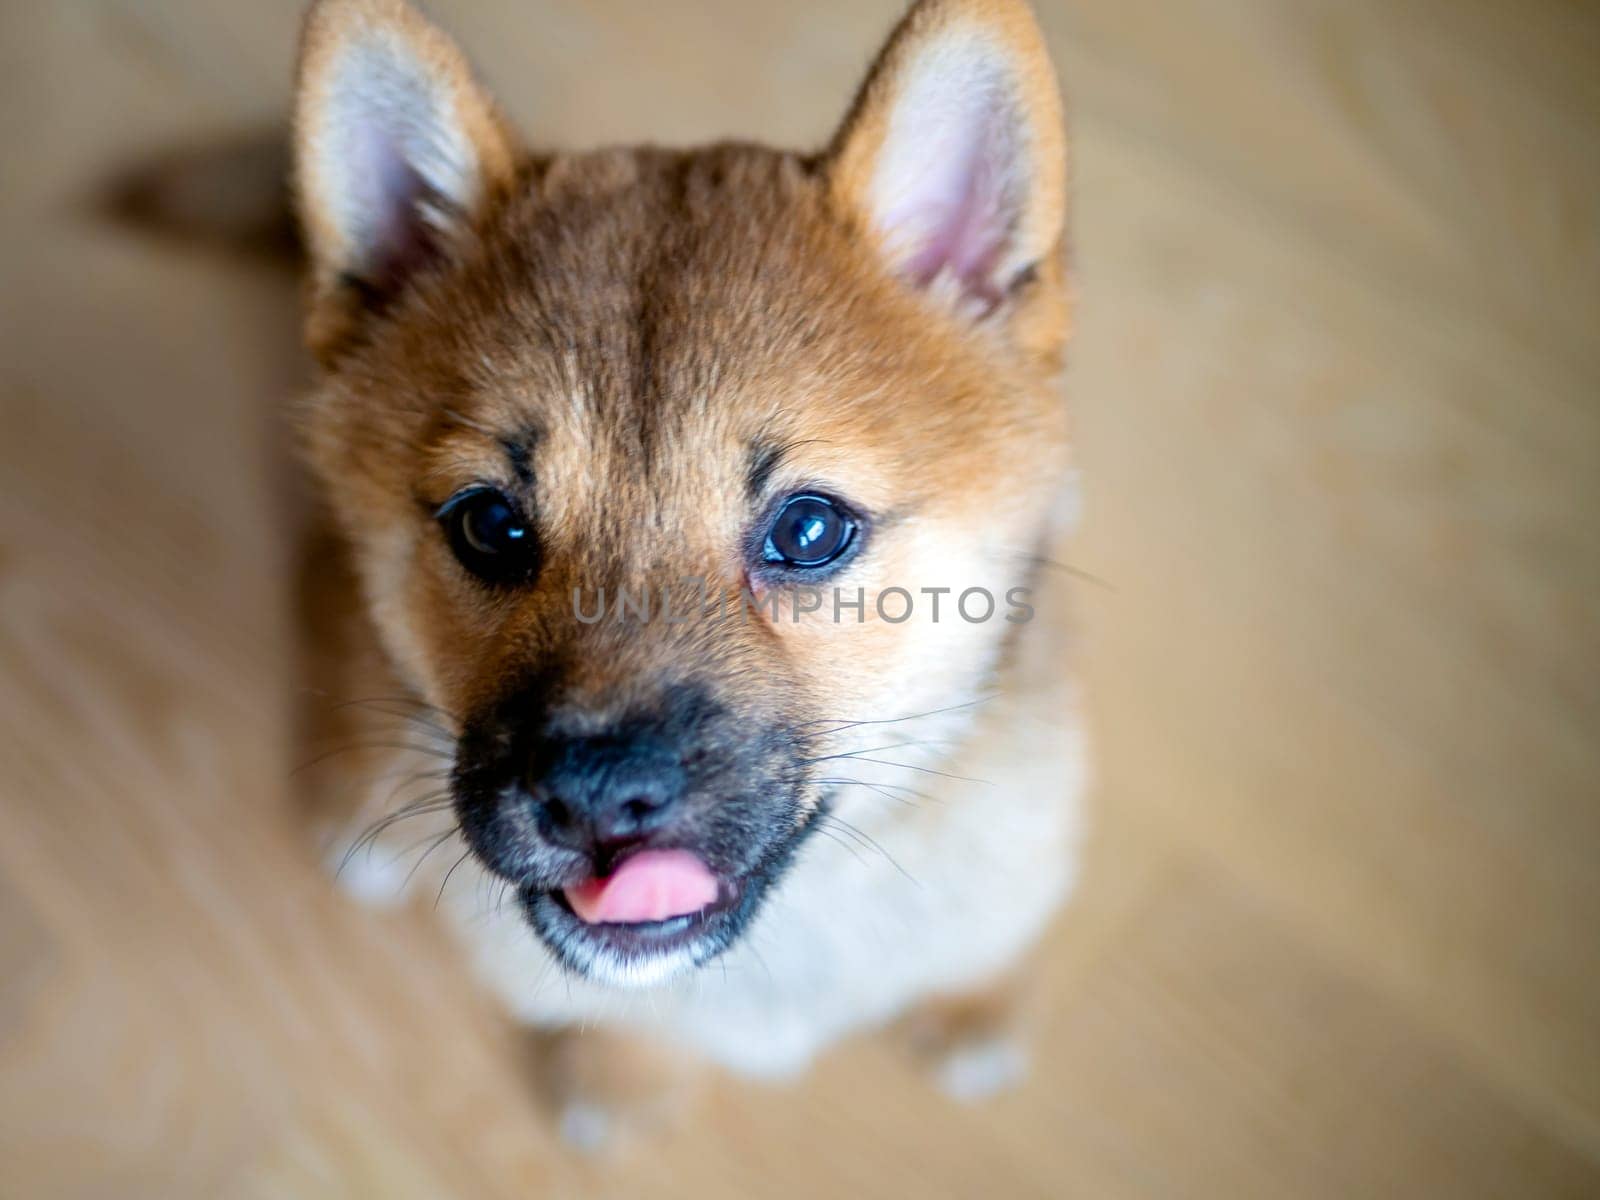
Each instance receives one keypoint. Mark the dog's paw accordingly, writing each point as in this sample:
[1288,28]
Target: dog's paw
[974,1045]
[981,1069]
[588,1128]
[607,1092]
[382,861]
[370,876]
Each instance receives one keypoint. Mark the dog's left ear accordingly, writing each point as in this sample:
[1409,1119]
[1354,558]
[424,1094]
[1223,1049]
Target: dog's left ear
[398,151]
[954,155]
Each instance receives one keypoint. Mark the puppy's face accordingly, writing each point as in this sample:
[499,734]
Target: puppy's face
[655,465]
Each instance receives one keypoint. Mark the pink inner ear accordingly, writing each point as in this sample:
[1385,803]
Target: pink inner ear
[946,184]
[963,228]
[390,194]
[389,163]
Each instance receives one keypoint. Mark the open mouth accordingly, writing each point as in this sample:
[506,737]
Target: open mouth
[652,887]
[658,912]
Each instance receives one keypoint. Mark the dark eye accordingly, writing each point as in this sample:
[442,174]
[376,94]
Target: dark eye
[489,536]
[809,531]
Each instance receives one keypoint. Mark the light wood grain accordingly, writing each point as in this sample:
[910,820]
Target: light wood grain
[1338,396]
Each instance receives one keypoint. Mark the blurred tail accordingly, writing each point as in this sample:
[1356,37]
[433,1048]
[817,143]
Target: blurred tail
[232,194]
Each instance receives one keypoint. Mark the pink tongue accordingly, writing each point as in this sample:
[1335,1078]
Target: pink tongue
[653,885]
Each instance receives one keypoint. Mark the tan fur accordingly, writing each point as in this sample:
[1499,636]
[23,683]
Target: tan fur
[639,319]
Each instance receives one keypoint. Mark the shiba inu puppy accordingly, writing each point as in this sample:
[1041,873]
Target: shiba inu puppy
[691,508]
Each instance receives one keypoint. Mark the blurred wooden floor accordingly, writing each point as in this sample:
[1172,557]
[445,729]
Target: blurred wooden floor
[1338,387]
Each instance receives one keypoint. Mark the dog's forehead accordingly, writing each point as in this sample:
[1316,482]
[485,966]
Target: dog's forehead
[635,341]
[648,285]
[682,311]
[650,333]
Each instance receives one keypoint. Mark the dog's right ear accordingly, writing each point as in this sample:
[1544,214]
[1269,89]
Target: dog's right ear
[953,158]
[398,150]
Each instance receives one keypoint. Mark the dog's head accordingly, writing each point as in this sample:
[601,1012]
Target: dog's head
[684,481]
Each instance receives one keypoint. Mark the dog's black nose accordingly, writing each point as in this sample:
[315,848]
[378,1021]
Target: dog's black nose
[596,792]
